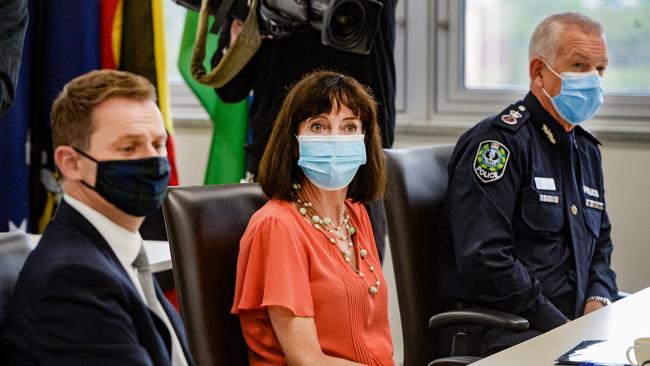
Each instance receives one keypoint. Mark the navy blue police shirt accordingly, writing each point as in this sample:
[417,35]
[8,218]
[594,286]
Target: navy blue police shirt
[524,228]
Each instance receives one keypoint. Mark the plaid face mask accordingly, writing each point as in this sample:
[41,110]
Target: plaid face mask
[136,186]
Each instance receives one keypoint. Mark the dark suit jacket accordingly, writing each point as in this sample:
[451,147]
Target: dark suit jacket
[75,305]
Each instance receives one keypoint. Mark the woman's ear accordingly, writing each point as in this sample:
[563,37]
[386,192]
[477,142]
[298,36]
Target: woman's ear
[294,151]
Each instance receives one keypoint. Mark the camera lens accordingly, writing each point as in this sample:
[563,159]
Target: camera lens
[347,25]
[347,20]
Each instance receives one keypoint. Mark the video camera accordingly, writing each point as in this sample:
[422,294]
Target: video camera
[347,25]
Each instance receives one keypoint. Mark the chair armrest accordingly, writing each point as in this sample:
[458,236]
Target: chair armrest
[488,317]
[454,361]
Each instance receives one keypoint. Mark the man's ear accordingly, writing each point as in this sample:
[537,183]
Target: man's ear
[67,160]
[535,68]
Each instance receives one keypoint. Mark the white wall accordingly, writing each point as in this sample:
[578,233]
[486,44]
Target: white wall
[627,189]
[192,150]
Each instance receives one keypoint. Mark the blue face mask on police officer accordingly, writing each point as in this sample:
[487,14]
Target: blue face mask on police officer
[580,97]
[135,186]
[330,162]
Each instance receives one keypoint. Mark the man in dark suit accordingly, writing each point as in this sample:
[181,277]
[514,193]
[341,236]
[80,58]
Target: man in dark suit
[85,295]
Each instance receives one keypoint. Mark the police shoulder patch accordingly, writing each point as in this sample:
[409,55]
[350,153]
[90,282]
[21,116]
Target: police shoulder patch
[491,160]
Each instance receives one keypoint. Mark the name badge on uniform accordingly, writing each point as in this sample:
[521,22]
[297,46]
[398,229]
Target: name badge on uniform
[595,204]
[545,184]
[591,191]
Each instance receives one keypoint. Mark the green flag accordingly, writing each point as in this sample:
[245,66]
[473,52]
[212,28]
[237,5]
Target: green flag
[226,160]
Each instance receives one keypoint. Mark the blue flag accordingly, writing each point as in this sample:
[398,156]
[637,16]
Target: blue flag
[62,42]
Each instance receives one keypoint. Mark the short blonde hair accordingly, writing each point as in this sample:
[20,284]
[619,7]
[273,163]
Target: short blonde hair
[72,110]
[544,41]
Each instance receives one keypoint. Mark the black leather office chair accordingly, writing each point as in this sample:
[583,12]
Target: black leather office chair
[204,225]
[15,246]
[417,183]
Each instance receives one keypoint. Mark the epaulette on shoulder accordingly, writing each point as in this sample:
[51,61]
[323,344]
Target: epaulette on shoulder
[512,118]
[590,135]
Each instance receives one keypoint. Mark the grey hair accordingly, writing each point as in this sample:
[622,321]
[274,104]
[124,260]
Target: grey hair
[544,41]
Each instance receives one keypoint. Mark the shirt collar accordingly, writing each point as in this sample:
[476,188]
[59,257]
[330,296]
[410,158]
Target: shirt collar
[124,243]
[544,121]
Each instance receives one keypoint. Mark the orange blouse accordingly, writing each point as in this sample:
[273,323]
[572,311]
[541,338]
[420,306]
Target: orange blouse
[284,261]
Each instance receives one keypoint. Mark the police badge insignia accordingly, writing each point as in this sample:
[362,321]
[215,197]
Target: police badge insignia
[491,160]
[509,119]
[548,133]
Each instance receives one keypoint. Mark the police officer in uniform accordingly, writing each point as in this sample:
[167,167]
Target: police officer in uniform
[524,227]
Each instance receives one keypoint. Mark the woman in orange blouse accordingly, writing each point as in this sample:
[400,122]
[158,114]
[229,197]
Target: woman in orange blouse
[310,290]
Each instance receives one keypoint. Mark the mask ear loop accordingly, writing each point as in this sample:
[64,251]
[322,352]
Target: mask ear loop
[555,73]
[87,157]
[82,153]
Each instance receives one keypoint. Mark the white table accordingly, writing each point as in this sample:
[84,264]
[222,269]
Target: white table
[158,252]
[620,322]
[159,255]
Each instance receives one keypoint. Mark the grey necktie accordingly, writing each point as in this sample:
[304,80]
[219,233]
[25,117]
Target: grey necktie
[141,264]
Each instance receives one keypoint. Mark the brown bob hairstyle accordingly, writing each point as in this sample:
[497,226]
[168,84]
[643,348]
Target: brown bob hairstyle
[315,94]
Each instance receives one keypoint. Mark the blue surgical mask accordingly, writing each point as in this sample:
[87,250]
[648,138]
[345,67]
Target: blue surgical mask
[330,162]
[580,96]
